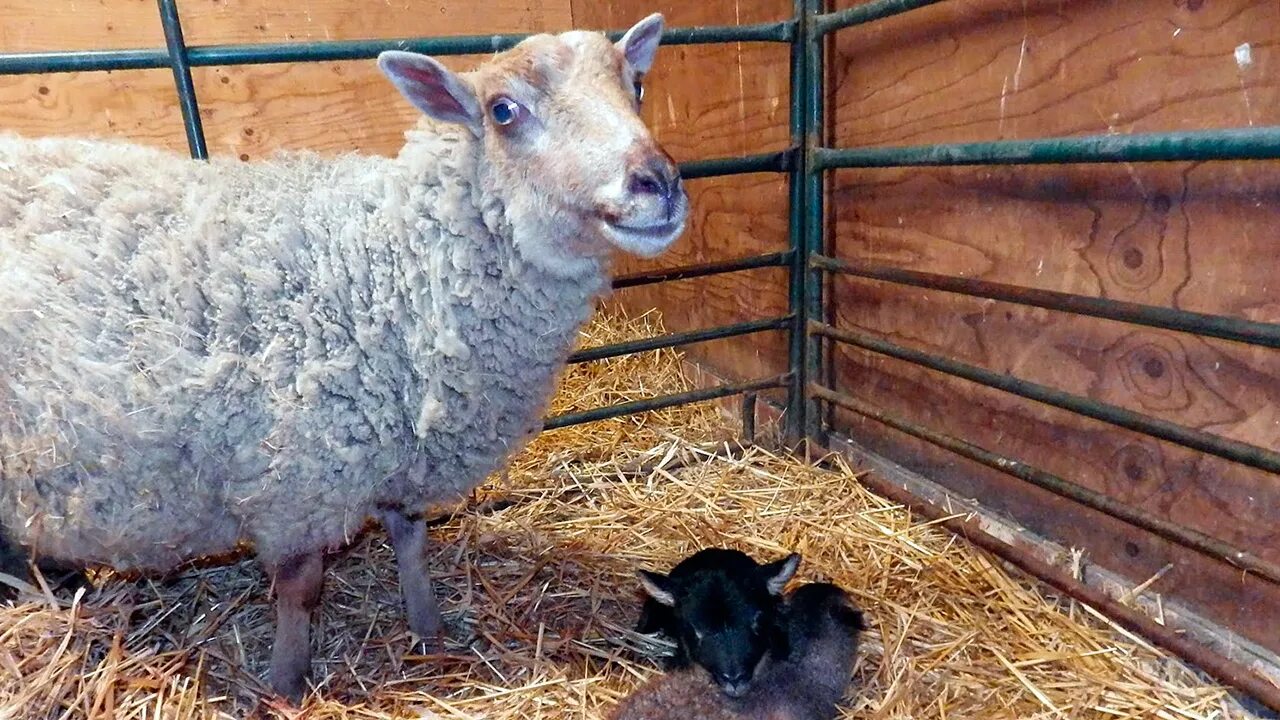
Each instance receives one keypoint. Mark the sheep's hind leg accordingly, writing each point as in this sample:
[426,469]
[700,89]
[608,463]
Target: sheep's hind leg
[298,581]
[13,562]
[409,539]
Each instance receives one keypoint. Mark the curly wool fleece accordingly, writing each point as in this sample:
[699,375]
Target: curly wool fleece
[193,355]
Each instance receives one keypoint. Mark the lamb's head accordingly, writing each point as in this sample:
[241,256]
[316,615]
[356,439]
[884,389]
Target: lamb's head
[719,606]
[564,146]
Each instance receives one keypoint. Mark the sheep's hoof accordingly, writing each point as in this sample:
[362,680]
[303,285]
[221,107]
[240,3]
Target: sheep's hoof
[289,684]
[426,624]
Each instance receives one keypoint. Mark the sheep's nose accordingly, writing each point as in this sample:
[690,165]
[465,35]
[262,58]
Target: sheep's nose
[733,684]
[656,177]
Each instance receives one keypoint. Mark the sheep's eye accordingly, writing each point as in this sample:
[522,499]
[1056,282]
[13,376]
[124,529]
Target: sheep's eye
[504,111]
[639,88]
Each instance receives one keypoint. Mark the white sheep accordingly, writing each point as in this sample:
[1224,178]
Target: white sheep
[195,356]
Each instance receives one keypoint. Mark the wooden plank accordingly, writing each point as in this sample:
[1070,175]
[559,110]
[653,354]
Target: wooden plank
[1195,236]
[1168,375]
[207,22]
[1214,589]
[139,105]
[332,107]
[31,25]
[714,101]
[38,25]
[986,69]
[248,111]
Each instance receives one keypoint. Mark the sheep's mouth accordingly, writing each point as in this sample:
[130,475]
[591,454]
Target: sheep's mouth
[645,240]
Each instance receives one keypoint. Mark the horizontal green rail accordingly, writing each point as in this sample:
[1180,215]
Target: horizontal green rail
[1233,450]
[865,13]
[1218,326]
[684,272]
[262,53]
[718,167]
[661,402]
[1261,143]
[681,338]
[1195,540]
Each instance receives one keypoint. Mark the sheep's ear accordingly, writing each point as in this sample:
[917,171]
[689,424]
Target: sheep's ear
[779,572]
[432,88]
[640,44]
[657,586]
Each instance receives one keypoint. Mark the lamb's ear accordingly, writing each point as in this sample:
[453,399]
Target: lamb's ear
[779,572]
[640,44]
[657,586]
[432,87]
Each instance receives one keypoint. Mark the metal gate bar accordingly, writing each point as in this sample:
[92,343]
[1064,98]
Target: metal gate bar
[1256,143]
[680,338]
[1187,537]
[182,78]
[685,272]
[664,401]
[263,53]
[1203,324]
[1234,450]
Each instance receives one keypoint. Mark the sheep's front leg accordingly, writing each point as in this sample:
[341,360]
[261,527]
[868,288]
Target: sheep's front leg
[409,539]
[298,581]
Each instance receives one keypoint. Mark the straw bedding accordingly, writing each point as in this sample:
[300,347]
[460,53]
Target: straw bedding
[536,579]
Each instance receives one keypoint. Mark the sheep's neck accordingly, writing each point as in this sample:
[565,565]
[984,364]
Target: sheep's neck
[485,333]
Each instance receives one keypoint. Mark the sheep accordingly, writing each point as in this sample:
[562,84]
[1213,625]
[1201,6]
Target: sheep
[200,357]
[718,606]
[822,627]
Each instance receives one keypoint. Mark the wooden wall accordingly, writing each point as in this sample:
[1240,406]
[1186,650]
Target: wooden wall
[1197,236]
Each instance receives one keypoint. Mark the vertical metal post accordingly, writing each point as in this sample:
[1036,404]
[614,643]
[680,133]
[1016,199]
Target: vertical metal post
[182,77]
[815,214]
[806,220]
[797,393]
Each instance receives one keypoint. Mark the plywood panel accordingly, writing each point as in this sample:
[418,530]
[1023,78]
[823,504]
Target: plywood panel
[1215,590]
[1196,236]
[990,69]
[139,105]
[1156,371]
[207,22]
[715,101]
[31,25]
[332,107]
[248,111]
[36,25]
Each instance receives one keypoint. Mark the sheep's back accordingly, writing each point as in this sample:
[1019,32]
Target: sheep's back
[118,403]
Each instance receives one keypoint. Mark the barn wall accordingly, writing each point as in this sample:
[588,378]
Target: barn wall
[1196,236]
[249,110]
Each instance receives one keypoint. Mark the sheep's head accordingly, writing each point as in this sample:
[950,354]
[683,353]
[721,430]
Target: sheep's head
[719,606]
[558,120]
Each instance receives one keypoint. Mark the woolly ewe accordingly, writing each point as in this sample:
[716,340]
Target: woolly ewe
[195,355]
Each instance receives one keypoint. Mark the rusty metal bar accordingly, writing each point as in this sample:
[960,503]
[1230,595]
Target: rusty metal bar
[777,259]
[662,401]
[1219,326]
